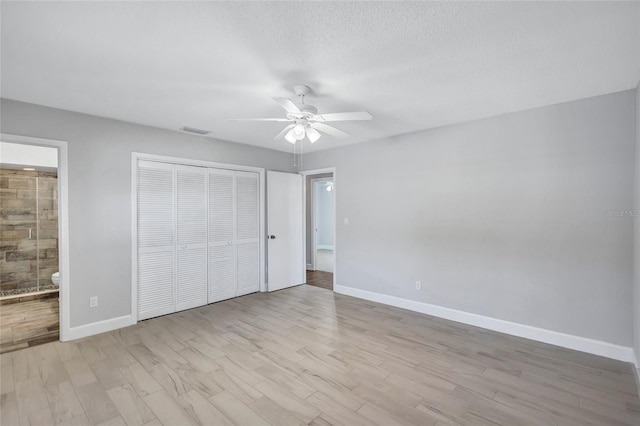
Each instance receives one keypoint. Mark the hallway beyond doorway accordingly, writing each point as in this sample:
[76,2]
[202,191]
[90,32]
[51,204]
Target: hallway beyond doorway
[324,260]
[320,279]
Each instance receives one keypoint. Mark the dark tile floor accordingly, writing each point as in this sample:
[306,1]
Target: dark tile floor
[320,279]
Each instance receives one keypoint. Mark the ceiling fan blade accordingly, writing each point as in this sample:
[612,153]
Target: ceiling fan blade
[287,105]
[258,119]
[345,116]
[330,130]
[285,130]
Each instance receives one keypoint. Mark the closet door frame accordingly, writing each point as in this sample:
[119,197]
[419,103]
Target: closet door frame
[137,156]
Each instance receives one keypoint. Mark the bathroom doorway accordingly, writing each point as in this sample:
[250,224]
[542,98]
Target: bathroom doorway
[29,246]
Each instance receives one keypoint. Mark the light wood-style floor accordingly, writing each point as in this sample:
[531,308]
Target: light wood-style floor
[308,356]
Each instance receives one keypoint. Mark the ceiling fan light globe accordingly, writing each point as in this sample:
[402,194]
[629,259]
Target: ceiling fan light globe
[299,130]
[313,134]
[290,137]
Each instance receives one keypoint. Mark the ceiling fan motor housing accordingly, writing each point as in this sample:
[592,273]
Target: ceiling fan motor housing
[301,89]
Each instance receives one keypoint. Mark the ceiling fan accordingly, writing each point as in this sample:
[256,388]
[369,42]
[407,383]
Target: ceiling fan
[305,120]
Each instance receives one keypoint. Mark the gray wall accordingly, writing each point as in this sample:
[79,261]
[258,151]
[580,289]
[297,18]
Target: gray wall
[100,192]
[504,217]
[324,216]
[636,238]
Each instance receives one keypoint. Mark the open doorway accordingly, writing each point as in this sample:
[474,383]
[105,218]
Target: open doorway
[320,229]
[29,250]
[34,252]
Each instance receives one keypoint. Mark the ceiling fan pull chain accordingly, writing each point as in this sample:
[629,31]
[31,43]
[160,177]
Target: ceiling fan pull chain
[294,156]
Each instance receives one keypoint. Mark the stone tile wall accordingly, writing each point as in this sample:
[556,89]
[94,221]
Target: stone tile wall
[28,200]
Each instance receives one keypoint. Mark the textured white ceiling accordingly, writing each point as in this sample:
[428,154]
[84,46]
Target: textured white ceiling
[413,65]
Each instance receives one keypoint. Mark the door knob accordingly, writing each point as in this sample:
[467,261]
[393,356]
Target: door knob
[272,237]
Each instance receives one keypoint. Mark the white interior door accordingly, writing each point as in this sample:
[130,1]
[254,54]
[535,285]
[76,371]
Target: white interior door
[286,230]
[222,231]
[191,249]
[156,240]
[247,232]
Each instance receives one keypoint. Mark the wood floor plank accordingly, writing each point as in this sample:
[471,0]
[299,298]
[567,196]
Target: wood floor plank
[96,403]
[235,386]
[167,409]
[9,409]
[37,417]
[31,396]
[79,372]
[239,413]
[143,383]
[300,408]
[274,413]
[6,374]
[343,414]
[198,407]
[64,402]
[82,420]
[132,408]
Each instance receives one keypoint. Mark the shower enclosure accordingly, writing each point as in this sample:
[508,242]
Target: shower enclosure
[29,231]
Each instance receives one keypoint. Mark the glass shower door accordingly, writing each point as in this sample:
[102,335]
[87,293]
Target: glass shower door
[19,232]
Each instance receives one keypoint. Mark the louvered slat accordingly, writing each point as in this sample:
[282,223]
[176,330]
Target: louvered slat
[247,206]
[248,267]
[155,207]
[221,202]
[222,273]
[248,225]
[191,207]
[155,239]
[222,256]
[191,290]
[155,284]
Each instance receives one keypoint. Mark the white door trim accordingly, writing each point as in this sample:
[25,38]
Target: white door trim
[63,223]
[306,173]
[135,156]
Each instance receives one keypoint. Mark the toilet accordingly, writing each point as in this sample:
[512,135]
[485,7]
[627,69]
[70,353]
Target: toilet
[55,278]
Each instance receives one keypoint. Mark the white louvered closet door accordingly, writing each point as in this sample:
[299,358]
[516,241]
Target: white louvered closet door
[156,238]
[247,232]
[222,225]
[191,247]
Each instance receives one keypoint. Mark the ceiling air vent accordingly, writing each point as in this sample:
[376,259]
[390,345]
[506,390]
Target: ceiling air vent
[194,130]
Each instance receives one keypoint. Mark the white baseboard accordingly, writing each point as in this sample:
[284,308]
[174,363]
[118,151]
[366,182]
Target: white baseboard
[99,327]
[309,267]
[323,247]
[636,370]
[597,347]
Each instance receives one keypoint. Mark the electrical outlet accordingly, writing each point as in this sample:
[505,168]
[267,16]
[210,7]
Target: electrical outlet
[346,221]
[418,285]
[93,301]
